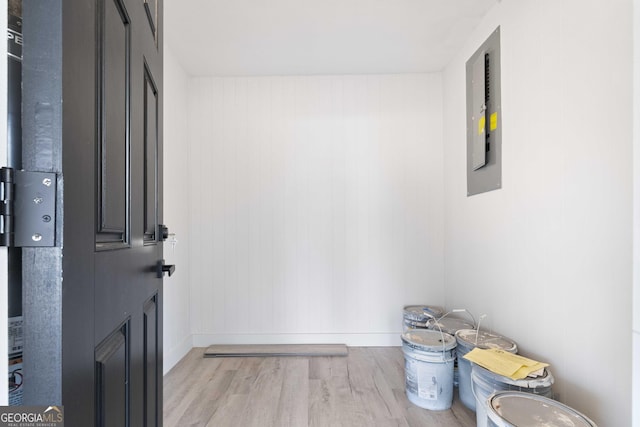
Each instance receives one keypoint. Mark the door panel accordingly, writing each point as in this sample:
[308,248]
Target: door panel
[112,380]
[152,367]
[150,157]
[113,174]
[114,82]
[126,285]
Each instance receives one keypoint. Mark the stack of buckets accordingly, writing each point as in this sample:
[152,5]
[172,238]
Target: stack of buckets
[468,339]
[432,347]
[485,382]
[476,383]
[430,356]
[451,325]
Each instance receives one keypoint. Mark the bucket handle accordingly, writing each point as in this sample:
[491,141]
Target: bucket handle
[454,310]
[473,391]
[464,310]
[431,316]
[482,316]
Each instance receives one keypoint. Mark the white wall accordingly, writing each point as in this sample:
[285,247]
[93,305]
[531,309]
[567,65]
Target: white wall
[549,257]
[177,329]
[316,206]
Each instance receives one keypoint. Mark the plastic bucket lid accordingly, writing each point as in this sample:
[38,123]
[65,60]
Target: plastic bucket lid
[428,340]
[513,408]
[450,325]
[485,340]
[417,312]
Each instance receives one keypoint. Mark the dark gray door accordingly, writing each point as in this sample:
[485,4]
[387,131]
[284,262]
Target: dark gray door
[110,77]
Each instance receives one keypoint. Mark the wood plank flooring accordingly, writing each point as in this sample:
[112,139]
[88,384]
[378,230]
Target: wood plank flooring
[271,350]
[366,388]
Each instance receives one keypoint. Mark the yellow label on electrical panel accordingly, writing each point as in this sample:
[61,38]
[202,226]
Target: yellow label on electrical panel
[493,121]
[481,124]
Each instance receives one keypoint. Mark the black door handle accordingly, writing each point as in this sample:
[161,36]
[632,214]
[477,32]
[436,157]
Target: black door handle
[162,268]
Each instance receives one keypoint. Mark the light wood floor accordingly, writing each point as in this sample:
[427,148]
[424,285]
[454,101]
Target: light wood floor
[365,388]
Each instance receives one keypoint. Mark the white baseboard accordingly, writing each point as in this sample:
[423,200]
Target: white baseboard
[175,354]
[352,340]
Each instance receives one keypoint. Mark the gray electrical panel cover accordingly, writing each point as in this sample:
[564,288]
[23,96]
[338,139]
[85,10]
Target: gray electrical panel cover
[484,118]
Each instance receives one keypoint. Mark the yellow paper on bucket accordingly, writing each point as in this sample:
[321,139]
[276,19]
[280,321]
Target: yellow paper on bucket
[504,363]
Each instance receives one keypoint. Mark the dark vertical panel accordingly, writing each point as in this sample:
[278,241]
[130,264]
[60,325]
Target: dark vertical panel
[150,158]
[114,115]
[14,140]
[79,121]
[112,380]
[14,92]
[151,365]
[42,151]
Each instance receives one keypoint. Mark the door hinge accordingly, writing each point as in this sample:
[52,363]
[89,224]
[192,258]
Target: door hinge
[27,208]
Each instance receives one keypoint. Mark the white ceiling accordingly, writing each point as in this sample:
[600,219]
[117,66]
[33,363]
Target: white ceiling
[299,37]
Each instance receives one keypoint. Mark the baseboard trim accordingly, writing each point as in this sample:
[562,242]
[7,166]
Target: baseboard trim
[352,340]
[173,356]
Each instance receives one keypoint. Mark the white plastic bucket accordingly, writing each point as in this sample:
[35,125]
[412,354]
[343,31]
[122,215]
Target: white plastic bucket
[468,339]
[517,409]
[451,325]
[415,316]
[429,358]
[484,383]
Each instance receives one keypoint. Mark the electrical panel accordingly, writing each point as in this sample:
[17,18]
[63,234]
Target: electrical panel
[484,118]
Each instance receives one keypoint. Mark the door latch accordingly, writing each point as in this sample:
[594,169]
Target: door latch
[163,232]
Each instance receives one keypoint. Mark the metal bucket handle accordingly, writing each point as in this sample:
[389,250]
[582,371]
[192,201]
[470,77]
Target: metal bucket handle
[473,391]
[455,310]
[431,316]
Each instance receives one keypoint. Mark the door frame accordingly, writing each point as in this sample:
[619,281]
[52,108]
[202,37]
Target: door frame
[4,282]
